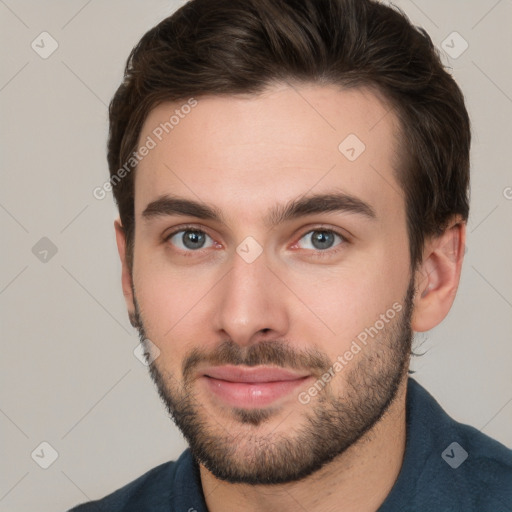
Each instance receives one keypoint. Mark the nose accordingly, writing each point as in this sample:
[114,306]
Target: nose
[251,303]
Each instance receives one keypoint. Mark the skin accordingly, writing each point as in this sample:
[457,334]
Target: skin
[244,155]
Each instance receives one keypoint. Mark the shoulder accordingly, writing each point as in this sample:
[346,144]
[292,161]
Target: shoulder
[150,491]
[487,467]
[460,463]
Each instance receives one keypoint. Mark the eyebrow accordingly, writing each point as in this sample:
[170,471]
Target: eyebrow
[169,205]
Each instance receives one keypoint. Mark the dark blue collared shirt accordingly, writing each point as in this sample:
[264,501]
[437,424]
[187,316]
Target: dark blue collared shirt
[447,467]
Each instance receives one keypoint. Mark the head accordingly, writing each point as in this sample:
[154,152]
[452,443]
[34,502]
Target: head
[292,183]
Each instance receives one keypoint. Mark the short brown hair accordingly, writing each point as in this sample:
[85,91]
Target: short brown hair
[228,47]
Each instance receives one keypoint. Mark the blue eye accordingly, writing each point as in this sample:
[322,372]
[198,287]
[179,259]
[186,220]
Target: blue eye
[321,239]
[318,240]
[190,239]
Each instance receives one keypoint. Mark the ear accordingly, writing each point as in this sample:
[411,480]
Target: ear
[437,277]
[126,276]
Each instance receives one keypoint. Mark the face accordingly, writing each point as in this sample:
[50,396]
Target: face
[271,271]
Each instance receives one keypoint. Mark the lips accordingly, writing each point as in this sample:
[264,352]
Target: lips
[250,387]
[252,374]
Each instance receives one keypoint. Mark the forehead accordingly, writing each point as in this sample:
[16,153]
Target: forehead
[246,153]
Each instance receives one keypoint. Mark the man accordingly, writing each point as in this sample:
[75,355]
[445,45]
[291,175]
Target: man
[292,179]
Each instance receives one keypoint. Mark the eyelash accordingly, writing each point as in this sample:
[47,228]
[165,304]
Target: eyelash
[186,227]
[314,254]
[328,252]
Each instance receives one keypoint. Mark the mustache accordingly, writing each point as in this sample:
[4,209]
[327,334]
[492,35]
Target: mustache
[268,352]
[276,353]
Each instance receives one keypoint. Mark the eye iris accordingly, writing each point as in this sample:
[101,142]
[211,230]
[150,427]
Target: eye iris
[322,239]
[193,239]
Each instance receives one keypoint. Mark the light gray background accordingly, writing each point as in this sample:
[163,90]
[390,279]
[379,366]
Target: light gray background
[69,376]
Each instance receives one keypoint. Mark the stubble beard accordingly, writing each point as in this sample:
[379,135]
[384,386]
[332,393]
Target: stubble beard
[331,423]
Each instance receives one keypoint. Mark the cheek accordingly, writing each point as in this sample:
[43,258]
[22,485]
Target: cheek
[169,316]
[347,301]
[169,299]
[342,306]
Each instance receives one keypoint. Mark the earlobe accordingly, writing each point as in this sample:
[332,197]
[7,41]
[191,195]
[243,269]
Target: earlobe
[437,277]
[126,275]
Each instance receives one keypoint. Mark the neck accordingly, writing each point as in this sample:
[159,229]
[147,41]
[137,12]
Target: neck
[358,480]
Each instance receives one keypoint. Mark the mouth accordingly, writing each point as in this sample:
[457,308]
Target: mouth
[251,387]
